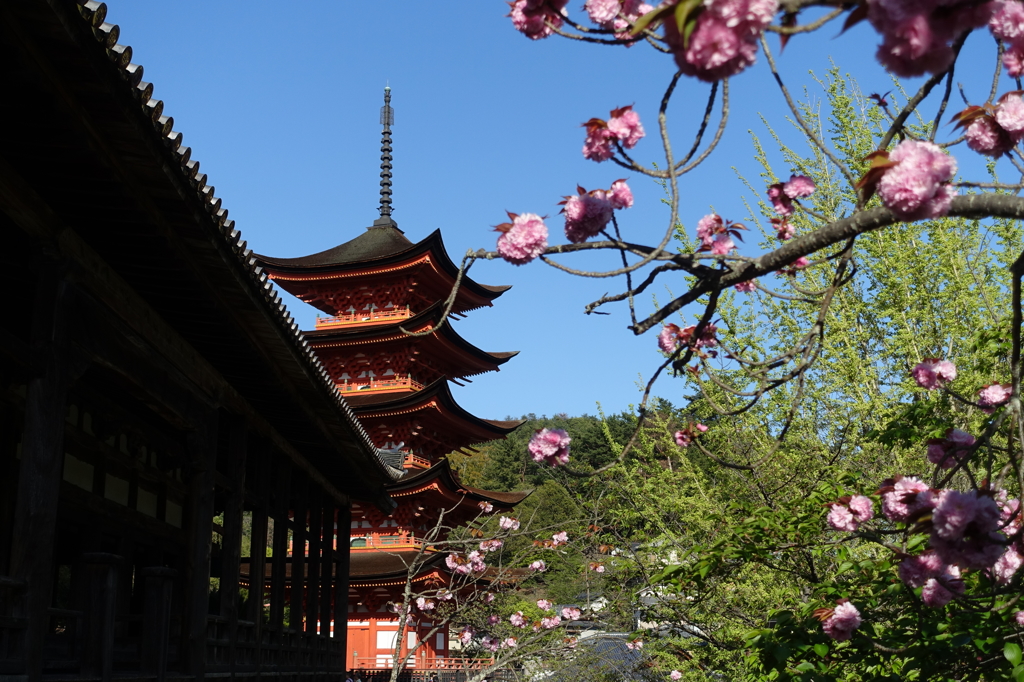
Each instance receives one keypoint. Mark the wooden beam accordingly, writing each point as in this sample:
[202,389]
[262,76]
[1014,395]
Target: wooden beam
[280,506]
[339,596]
[316,511]
[300,506]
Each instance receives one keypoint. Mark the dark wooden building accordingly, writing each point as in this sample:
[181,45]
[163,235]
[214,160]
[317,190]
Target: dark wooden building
[162,421]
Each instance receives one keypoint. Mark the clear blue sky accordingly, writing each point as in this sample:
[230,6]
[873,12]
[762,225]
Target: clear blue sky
[280,102]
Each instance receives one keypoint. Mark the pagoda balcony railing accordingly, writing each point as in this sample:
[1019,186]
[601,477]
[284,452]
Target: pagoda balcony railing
[363,317]
[383,385]
[417,461]
[421,663]
[385,542]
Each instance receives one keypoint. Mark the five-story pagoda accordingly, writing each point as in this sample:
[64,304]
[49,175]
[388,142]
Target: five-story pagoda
[388,343]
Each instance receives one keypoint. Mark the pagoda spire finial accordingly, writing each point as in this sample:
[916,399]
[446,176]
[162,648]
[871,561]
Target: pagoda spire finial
[387,119]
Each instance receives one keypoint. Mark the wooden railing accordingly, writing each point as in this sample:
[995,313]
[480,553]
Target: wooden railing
[370,385]
[363,317]
[422,663]
[417,461]
[388,541]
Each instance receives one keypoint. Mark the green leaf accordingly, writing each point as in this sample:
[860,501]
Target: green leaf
[821,650]
[805,667]
[960,640]
[1011,651]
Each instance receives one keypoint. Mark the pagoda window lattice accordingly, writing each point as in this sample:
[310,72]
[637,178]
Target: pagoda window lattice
[344,299]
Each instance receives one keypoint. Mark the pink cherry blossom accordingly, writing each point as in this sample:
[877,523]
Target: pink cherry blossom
[509,643]
[1006,566]
[491,545]
[550,622]
[932,374]
[1007,24]
[525,239]
[784,230]
[550,446]
[947,452]
[508,523]
[722,245]
[675,675]
[724,41]
[530,17]
[915,571]
[668,338]
[746,287]
[602,11]
[801,263]
[476,562]
[862,507]
[907,498]
[985,136]
[493,619]
[844,620]
[543,605]
[424,604]
[1013,59]
[1019,618]
[620,195]
[489,597]
[1010,116]
[917,36]
[538,566]
[781,202]
[490,643]
[635,645]
[626,127]
[486,507]
[559,539]
[799,187]
[517,619]
[444,594]
[992,396]
[586,215]
[570,613]
[598,144]
[954,511]
[685,437]
[467,634]
[616,15]
[841,518]
[935,595]
[707,227]
[458,564]
[917,187]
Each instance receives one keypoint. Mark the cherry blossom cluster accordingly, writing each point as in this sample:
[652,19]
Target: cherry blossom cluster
[616,15]
[508,523]
[993,130]
[1007,25]
[587,213]
[992,396]
[672,337]
[840,621]
[623,127]
[523,239]
[917,36]
[719,37]
[558,539]
[684,437]
[974,530]
[782,196]
[716,235]
[464,565]
[534,18]
[913,180]
[550,446]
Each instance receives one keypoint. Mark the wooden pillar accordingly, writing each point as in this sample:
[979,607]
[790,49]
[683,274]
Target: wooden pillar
[234,465]
[42,456]
[300,506]
[281,503]
[202,445]
[98,615]
[260,485]
[339,595]
[313,559]
[327,570]
[156,620]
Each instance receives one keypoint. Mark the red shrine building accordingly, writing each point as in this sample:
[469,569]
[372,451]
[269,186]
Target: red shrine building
[386,339]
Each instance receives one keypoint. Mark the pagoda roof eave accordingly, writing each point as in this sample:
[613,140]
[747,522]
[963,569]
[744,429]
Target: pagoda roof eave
[432,316]
[378,247]
[441,392]
[443,474]
[369,567]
